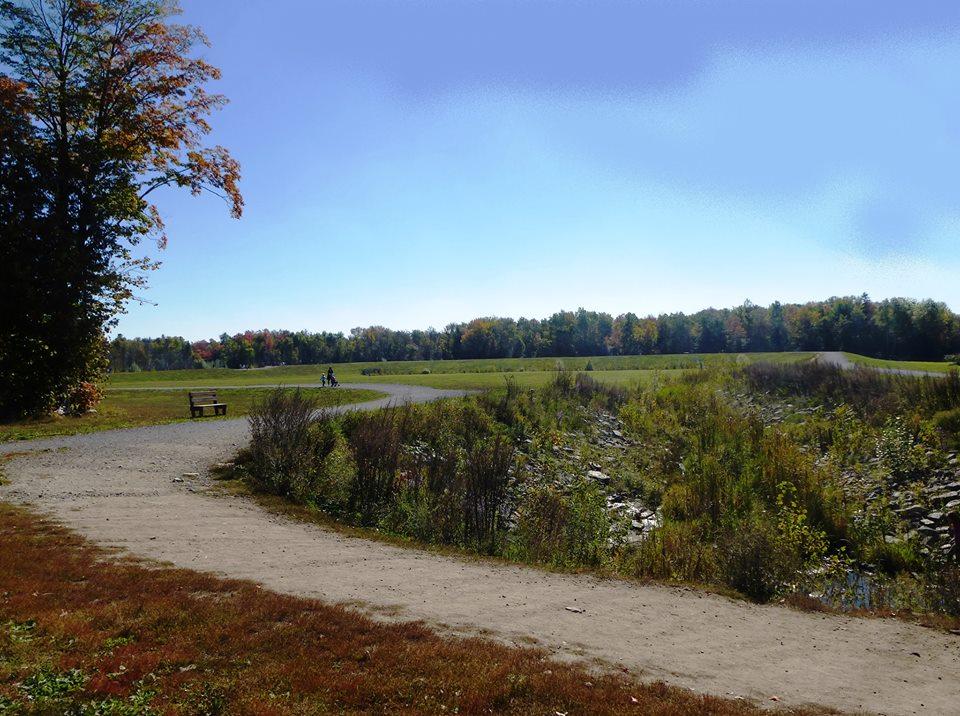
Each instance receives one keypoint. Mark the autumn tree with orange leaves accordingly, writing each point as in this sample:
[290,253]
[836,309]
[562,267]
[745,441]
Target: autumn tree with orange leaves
[102,102]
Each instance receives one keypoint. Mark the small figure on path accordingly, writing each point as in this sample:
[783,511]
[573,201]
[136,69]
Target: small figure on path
[323,380]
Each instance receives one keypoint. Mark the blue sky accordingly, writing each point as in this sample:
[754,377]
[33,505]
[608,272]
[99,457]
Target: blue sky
[415,162]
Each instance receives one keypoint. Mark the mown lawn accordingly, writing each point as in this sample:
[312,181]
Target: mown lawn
[934,366]
[524,379]
[132,408]
[481,373]
[81,634]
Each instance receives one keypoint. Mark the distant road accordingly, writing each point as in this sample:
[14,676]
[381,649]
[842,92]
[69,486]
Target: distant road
[841,361]
[395,392]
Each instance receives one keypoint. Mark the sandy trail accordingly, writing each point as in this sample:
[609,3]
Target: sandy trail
[118,488]
[840,360]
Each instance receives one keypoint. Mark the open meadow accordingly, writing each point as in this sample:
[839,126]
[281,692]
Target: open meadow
[156,397]
[464,374]
[133,408]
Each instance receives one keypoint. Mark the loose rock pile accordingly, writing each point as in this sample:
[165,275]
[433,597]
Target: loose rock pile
[631,519]
[925,514]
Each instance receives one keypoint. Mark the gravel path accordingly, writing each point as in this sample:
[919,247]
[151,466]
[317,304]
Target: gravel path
[127,488]
[841,361]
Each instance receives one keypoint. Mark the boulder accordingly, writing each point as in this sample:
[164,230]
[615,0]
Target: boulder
[598,476]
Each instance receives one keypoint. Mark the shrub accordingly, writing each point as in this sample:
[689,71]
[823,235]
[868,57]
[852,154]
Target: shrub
[376,441]
[750,561]
[289,444]
[486,472]
[509,406]
[585,389]
[429,501]
[906,453]
[875,395]
[893,557]
[677,502]
[948,421]
[371,371]
[83,398]
[675,551]
[562,530]
[764,552]
[945,590]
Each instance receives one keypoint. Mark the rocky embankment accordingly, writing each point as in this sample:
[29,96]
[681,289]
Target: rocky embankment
[922,499]
[563,464]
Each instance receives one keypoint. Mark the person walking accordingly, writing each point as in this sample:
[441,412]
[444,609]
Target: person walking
[331,379]
[323,380]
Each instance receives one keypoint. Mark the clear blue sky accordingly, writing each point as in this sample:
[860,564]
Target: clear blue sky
[415,162]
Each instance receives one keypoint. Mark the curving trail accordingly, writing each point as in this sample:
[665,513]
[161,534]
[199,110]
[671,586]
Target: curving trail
[838,359]
[127,489]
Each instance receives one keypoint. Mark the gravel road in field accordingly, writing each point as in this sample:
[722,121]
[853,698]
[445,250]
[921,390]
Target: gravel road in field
[841,361]
[134,489]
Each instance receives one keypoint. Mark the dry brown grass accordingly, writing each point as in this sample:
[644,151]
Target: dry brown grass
[210,645]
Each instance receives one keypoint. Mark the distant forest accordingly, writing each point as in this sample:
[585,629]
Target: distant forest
[893,328]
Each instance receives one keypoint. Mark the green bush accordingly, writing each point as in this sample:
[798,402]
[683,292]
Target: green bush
[676,551]
[290,441]
[893,557]
[750,559]
[486,470]
[562,530]
[948,421]
[907,452]
[376,442]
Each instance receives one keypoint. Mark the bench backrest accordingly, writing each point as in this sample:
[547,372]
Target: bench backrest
[203,397]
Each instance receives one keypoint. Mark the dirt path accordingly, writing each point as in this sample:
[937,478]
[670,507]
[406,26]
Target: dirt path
[122,488]
[841,361]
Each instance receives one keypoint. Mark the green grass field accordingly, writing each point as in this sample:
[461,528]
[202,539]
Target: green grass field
[479,374]
[133,408]
[933,366]
[128,403]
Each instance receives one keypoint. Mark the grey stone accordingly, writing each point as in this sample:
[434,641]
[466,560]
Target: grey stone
[911,513]
[598,476]
[946,496]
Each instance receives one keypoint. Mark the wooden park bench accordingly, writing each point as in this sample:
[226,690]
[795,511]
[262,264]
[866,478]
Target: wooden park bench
[202,399]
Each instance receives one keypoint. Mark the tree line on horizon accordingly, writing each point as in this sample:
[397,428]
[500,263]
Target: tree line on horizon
[898,328]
